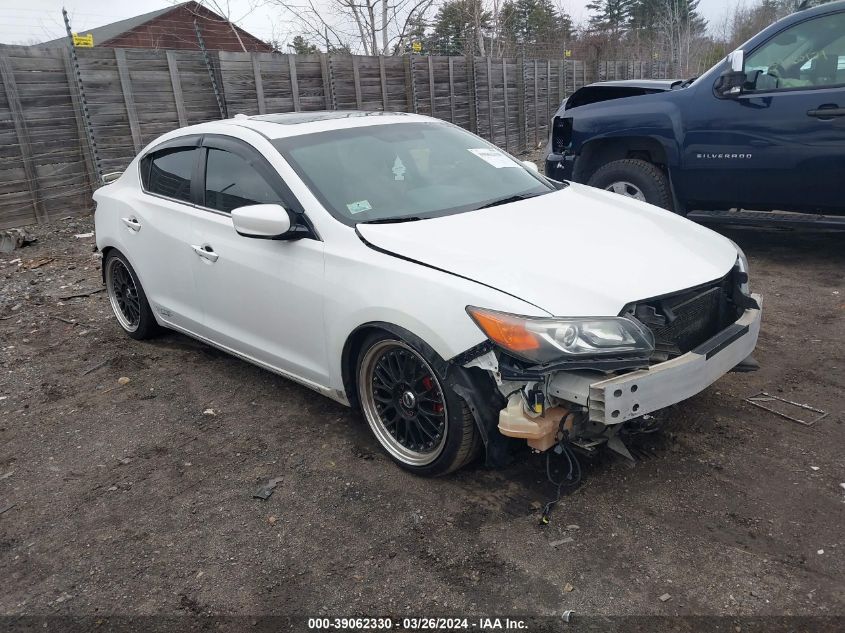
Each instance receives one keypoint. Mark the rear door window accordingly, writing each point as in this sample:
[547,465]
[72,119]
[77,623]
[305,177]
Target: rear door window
[168,172]
[232,182]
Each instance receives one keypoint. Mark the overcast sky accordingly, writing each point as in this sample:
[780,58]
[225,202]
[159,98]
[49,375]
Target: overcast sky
[29,21]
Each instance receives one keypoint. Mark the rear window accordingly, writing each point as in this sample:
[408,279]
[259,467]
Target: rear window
[168,172]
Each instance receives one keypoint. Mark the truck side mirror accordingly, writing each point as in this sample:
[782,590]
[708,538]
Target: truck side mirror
[732,80]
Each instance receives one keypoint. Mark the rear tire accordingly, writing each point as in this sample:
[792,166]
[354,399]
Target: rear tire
[422,425]
[636,179]
[128,300]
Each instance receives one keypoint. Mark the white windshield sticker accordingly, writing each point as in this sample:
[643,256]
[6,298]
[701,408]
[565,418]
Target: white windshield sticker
[398,169]
[493,157]
[359,207]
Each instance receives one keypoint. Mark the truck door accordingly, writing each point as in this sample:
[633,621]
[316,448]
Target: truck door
[780,143]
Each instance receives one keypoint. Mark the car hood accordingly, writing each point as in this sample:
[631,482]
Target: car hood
[575,252]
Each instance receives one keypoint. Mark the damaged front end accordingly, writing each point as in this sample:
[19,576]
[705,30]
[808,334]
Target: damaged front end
[583,380]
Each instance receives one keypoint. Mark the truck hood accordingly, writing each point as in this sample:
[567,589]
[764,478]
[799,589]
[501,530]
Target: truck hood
[579,251]
[608,90]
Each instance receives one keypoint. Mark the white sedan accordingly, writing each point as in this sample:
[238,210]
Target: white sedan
[403,265]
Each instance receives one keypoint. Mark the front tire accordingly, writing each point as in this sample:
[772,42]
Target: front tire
[128,300]
[417,419]
[636,179]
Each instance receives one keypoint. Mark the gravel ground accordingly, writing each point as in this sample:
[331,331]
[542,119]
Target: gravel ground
[136,499]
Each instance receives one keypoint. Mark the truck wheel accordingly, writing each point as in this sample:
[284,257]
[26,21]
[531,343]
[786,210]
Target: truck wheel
[636,179]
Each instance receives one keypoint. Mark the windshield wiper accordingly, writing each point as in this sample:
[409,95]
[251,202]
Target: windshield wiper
[509,199]
[407,218]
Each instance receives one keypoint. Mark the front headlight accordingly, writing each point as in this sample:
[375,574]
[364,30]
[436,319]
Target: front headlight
[543,340]
[742,265]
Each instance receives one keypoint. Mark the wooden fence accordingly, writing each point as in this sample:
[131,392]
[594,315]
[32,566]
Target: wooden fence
[128,97]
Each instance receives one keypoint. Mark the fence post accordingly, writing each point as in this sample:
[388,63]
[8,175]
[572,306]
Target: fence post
[22,133]
[472,90]
[431,82]
[72,67]
[452,88]
[76,100]
[505,94]
[177,88]
[410,84]
[259,83]
[210,69]
[356,78]
[328,93]
[383,78]
[520,103]
[561,81]
[294,83]
[548,91]
[536,111]
[128,99]
[490,99]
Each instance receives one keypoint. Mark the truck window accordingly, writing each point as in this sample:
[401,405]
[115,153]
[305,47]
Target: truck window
[807,55]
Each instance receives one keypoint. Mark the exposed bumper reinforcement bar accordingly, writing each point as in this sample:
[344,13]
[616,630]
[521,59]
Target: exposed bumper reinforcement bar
[615,400]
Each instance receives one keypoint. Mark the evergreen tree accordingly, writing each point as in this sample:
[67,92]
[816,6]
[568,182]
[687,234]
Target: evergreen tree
[458,26]
[610,16]
[301,46]
[535,25]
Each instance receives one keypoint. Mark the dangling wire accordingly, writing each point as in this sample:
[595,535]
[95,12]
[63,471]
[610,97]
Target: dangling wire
[572,479]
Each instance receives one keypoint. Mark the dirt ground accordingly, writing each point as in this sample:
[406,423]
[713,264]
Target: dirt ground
[128,499]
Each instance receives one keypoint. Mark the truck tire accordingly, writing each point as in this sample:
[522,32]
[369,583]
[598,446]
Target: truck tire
[635,178]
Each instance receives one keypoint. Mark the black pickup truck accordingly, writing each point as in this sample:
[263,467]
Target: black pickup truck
[762,130]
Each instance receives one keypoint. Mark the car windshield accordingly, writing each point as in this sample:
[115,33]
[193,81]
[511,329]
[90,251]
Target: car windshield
[406,171]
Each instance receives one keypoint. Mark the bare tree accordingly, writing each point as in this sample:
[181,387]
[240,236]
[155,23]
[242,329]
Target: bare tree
[371,26]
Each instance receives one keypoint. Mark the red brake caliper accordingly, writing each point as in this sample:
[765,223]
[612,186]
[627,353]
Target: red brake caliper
[428,383]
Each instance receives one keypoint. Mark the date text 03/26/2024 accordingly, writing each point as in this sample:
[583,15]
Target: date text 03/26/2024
[417,624]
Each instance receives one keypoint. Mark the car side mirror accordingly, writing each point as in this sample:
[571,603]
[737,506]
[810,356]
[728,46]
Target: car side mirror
[262,221]
[530,164]
[732,80]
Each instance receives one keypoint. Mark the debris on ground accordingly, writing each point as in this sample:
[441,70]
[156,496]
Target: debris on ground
[7,475]
[568,588]
[266,491]
[32,264]
[272,520]
[567,615]
[82,236]
[96,367]
[758,398]
[814,467]
[11,239]
[123,380]
[568,539]
[82,294]
[6,508]
[209,412]
[665,597]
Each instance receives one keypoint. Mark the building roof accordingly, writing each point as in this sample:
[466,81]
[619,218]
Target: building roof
[110,31]
[103,34]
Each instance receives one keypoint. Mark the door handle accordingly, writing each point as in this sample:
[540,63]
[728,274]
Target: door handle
[827,111]
[132,223]
[206,252]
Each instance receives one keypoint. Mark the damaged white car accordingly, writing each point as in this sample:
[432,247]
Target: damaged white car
[402,265]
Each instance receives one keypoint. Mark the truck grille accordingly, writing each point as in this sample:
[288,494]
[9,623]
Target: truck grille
[683,321]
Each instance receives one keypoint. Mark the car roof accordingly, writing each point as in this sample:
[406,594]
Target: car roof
[274,126]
